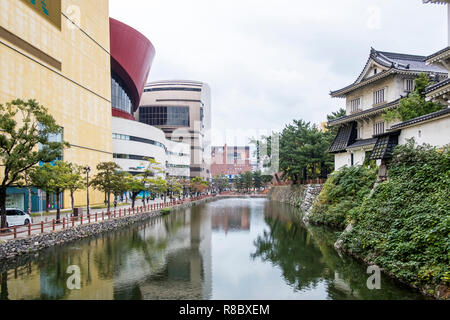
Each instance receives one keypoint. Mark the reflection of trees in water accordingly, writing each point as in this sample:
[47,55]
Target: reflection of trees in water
[306,256]
[4,285]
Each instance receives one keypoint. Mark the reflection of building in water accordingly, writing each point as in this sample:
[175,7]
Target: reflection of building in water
[177,265]
[235,220]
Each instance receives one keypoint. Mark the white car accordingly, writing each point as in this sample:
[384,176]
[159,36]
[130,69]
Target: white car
[16,217]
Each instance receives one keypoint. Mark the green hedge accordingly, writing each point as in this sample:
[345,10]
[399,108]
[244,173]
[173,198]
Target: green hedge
[342,193]
[405,225]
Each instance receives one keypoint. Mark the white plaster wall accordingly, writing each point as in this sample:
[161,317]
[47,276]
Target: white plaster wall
[341,160]
[436,133]
[359,157]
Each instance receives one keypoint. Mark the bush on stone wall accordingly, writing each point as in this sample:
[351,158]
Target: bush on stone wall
[343,192]
[404,226]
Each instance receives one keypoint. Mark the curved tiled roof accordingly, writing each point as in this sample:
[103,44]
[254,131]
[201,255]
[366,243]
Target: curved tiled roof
[424,118]
[396,62]
[364,113]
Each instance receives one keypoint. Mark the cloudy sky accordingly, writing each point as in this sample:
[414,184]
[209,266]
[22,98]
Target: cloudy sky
[269,62]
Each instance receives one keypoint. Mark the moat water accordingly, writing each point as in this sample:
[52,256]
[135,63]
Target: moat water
[235,249]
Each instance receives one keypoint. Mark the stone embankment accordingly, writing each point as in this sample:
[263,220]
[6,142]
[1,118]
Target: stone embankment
[301,196]
[15,249]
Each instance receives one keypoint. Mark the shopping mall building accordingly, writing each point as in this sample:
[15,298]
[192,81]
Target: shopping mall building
[74,60]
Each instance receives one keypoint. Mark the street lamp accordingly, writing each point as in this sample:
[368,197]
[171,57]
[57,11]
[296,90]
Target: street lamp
[87,170]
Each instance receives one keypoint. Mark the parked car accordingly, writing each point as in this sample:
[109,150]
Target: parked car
[16,217]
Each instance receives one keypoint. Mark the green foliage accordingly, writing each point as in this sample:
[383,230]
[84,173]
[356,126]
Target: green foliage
[221,182]
[342,194]
[415,105]
[26,128]
[405,226]
[198,185]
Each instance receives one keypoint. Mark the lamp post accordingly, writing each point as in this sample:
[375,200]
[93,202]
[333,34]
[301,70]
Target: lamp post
[87,170]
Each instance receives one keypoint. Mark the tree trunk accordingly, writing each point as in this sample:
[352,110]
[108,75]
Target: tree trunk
[58,210]
[3,206]
[109,201]
[73,201]
[47,201]
[29,200]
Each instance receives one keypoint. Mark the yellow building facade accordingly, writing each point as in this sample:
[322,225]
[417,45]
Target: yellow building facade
[57,52]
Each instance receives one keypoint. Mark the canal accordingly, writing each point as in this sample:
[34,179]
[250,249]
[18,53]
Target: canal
[226,249]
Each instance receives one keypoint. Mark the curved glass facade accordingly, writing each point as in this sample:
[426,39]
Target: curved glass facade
[120,98]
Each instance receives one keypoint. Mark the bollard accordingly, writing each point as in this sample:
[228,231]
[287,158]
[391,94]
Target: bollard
[29,229]
[89,218]
[73,222]
[15,232]
[64,223]
[42,226]
[103,216]
[53,224]
[81,220]
[96,217]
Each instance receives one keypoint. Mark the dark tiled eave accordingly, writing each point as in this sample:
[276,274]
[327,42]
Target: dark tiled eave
[437,86]
[434,55]
[362,143]
[424,118]
[364,113]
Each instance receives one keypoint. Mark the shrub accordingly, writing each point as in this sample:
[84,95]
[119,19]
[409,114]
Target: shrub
[342,193]
[405,225]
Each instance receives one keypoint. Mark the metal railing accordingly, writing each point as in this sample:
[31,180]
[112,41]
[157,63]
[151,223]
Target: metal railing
[16,232]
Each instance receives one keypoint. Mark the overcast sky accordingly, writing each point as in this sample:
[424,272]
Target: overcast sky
[269,62]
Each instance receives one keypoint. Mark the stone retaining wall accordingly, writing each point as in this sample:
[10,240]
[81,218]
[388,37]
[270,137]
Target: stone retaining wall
[15,249]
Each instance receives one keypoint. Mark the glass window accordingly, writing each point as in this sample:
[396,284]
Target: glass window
[119,96]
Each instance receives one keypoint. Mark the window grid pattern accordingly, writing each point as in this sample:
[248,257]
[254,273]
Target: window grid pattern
[355,105]
[378,128]
[119,96]
[117,136]
[378,96]
[165,116]
[409,85]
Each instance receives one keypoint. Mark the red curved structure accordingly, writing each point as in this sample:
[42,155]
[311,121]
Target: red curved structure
[132,56]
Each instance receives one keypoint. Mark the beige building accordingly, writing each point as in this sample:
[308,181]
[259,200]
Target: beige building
[182,109]
[385,79]
[57,52]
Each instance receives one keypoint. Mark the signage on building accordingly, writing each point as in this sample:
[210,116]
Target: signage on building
[48,9]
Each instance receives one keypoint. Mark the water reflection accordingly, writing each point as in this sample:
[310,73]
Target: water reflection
[229,249]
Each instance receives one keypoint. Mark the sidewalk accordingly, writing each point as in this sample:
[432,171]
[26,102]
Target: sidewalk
[47,224]
[48,218]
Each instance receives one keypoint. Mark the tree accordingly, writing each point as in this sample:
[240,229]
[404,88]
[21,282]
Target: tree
[26,128]
[415,105]
[247,180]
[104,179]
[221,182]
[198,185]
[118,183]
[257,180]
[58,179]
[266,180]
[75,181]
[134,184]
[174,187]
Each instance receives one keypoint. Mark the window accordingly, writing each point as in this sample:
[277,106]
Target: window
[119,96]
[165,116]
[358,133]
[378,128]
[375,71]
[409,85]
[378,96]
[355,105]
[173,89]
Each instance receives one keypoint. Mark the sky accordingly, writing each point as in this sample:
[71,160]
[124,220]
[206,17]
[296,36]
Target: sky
[270,62]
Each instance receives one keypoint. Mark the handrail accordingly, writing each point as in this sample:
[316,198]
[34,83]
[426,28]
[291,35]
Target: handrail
[72,221]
